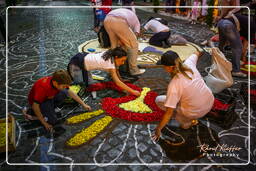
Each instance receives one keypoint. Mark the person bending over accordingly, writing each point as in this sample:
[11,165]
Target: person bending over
[46,94]
[122,26]
[109,61]
[188,97]
[161,32]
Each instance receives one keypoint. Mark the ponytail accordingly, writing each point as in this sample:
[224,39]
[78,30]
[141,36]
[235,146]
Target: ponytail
[111,53]
[108,55]
[180,68]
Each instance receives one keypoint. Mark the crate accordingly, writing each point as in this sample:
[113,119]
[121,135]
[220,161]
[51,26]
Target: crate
[11,134]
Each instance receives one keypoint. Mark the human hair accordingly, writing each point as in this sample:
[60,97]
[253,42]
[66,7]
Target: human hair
[116,52]
[181,68]
[61,77]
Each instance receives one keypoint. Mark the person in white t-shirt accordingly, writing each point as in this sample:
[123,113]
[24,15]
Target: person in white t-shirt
[109,61]
[161,32]
[188,97]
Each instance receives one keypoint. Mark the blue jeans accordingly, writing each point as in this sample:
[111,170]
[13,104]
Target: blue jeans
[229,33]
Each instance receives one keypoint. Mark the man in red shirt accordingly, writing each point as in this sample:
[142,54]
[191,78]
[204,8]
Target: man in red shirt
[46,93]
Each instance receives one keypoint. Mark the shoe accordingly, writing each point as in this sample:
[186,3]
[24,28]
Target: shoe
[56,110]
[27,116]
[204,43]
[141,71]
[239,74]
[242,62]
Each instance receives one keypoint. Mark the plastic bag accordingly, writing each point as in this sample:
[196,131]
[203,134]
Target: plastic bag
[219,76]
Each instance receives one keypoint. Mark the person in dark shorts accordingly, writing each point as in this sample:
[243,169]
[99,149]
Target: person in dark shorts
[109,61]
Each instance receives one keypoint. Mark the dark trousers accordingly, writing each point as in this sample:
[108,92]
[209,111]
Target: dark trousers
[228,33]
[170,3]
[158,38]
[96,20]
[48,107]
[77,71]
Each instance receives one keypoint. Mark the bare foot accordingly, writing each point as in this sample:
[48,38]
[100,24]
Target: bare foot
[27,116]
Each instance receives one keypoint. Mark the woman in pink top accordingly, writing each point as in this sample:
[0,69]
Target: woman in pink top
[188,98]
[122,26]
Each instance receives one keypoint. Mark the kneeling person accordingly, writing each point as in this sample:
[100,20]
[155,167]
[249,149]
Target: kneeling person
[188,97]
[161,32]
[45,94]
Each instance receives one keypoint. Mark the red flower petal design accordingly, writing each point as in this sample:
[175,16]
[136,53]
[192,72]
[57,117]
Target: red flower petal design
[111,105]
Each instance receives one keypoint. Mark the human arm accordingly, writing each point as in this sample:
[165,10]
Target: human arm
[78,99]
[198,52]
[165,119]
[38,113]
[119,83]
[120,78]
[136,26]
[234,10]
[227,12]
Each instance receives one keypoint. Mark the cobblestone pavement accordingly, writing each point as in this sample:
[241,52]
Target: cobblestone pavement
[44,40]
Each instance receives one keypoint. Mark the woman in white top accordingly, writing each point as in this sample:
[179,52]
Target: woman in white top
[109,61]
[161,32]
[188,98]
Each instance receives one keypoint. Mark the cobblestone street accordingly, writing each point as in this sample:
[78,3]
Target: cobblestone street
[44,39]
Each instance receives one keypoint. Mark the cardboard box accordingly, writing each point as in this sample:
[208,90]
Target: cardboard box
[11,134]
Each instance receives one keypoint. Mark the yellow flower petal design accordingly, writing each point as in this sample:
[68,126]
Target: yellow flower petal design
[75,88]
[97,77]
[3,132]
[252,68]
[83,117]
[138,104]
[88,133]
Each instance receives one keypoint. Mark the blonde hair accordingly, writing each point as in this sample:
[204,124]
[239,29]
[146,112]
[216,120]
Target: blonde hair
[181,68]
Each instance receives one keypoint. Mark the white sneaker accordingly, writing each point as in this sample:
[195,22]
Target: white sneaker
[56,110]
[141,71]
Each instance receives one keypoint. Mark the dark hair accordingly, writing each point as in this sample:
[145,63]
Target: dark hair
[168,58]
[111,53]
[61,77]
[171,58]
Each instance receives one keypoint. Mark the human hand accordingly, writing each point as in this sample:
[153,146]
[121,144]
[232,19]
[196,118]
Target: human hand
[157,134]
[136,93]
[87,107]
[230,13]
[47,126]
